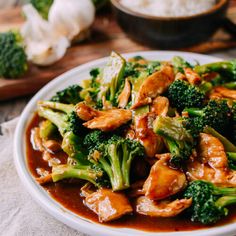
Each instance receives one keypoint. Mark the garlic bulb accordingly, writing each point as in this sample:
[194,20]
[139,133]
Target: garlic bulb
[43,44]
[72,18]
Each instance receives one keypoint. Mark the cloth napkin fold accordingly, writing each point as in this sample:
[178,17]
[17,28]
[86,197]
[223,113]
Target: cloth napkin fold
[19,214]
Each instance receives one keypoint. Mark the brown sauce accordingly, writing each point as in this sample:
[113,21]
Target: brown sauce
[69,196]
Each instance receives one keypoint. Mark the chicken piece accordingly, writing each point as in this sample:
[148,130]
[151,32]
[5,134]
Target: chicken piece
[192,77]
[180,76]
[109,120]
[144,133]
[211,164]
[108,205]
[123,98]
[224,92]
[154,85]
[103,120]
[160,106]
[214,95]
[146,206]
[212,151]
[52,146]
[44,179]
[36,141]
[163,181]
[86,112]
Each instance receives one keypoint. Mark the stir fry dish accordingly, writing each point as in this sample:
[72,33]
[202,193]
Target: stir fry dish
[140,137]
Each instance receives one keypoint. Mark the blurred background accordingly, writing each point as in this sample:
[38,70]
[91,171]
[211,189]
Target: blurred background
[106,26]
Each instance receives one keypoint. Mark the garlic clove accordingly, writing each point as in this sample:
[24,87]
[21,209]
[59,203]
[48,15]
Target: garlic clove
[72,18]
[43,45]
[45,54]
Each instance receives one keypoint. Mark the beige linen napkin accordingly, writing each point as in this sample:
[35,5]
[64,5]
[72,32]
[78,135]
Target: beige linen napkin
[19,214]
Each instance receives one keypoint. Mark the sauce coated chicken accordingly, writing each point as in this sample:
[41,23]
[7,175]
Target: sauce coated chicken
[103,120]
[146,206]
[108,205]
[211,163]
[163,181]
[154,85]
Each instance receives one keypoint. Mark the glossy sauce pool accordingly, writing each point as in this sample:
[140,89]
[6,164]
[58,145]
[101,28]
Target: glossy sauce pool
[69,196]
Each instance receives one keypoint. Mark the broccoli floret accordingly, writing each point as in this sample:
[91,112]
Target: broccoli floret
[112,78]
[179,64]
[115,158]
[91,89]
[90,173]
[69,125]
[96,138]
[215,114]
[181,95]
[226,70]
[179,141]
[209,201]
[13,59]
[70,95]
[42,6]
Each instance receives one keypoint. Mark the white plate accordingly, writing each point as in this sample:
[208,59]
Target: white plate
[73,76]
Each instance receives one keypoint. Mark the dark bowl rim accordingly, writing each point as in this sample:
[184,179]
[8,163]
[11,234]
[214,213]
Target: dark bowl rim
[212,10]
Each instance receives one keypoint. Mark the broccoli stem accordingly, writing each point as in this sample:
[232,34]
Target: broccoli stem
[117,176]
[224,191]
[126,165]
[205,87]
[81,172]
[230,85]
[216,67]
[56,118]
[47,130]
[229,147]
[195,112]
[231,155]
[225,201]
[67,108]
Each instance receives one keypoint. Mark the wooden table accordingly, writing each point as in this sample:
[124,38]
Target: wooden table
[106,36]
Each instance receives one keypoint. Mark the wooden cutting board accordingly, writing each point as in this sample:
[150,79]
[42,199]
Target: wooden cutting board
[106,36]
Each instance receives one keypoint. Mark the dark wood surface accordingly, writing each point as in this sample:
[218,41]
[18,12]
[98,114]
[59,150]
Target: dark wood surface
[106,36]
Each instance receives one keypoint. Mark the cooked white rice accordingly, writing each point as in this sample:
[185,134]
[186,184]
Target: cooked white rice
[172,8]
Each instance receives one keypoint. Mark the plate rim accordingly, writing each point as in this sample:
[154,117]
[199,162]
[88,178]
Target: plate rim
[54,208]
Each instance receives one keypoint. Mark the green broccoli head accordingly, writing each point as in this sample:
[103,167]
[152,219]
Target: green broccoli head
[115,157]
[69,125]
[181,95]
[215,114]
[96,138]
[42,6]
[13,60]
[69,95]
[209,201]
[226,70]
[179,141]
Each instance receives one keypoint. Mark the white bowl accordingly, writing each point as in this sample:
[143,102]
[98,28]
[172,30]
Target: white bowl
[73,76]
